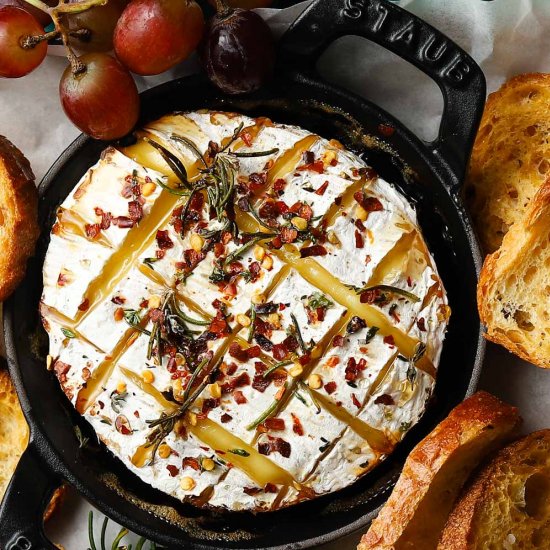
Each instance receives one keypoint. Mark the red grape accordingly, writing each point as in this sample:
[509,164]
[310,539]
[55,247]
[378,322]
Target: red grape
[15,25]
[238,53]
[153,35]
[101,22]
[246,4]
[102,101]
[41,16]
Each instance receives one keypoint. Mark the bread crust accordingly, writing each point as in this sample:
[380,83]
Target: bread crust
[18,216]
[404,521]
[509,158]
[460,530]
[509,259]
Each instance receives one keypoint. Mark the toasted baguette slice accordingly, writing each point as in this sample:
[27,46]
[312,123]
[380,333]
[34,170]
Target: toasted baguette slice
[18,216]
[514,286]
[14,437]
[507,505]
[510,158]
[435,472]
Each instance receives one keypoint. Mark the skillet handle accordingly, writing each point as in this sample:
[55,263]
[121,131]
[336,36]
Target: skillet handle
[22,510]
[458,76]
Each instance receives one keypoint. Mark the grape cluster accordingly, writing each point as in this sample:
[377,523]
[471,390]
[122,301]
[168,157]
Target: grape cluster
[107,40]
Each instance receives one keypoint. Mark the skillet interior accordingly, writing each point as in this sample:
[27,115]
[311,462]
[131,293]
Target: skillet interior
[106,482]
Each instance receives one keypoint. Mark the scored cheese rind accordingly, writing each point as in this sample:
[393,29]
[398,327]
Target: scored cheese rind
[268,442]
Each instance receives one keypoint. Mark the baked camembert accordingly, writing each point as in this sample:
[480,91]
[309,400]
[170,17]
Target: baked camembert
[245,312]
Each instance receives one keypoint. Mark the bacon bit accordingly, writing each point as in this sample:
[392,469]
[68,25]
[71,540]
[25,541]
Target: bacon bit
[237,352]
[305,211]
[368,259]
[389,340]
[163,240]
[239,398]
[209,404]
[332,361]
[226,237]
[409,281]
[136,414]
[61,369]
[92,230]
[359,242]
[260,382]
[84,305]
[254,269]
[225,418]
[421,324]
[277,242]
[359,224]
[173,470]
[247,138]
[279,185]
[304,359]
[191,260]
[190,462]
[330,387]
[270,488]
[288,235]
[123,222]
[386,130]
[384,399]
[251,491]
[338,341]
[315,250]
[265,343]
[297,427]
[275,424]
[279,377]
[370,296]
[355,401]
[253,351]
[370,204]
[219,249]
[322,189]
[270,210]
[257,181]
[280,351]
[219,325]
[275,445]
[230,290]
[142,304]
[135,210]
[156,315]
[160,254]
[230,369]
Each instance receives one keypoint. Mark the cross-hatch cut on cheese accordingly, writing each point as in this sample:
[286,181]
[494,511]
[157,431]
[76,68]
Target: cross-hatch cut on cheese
[289,157]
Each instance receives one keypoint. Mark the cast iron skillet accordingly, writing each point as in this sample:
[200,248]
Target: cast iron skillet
[430,174]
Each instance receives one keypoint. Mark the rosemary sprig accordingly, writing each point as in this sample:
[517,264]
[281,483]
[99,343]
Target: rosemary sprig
[254,154]
[155,336]
[234,137]
[252,322]
[196,372]
[298,333]
[268,412]
[115,545]
[237,254]
[171,190]
[303,386]
[183,316]
[386,288]
[277,366]
[173,162]
[68,333]
[250,209]
[133,318]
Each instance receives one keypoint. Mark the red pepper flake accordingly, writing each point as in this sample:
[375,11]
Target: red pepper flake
[279,185]
[275,424]
[338,341]
[389,340]
[370,204]
[322,189]
[156,315]
[209,404]
[317,166]
[253,351]
[251,491]
[355,401]
[304,359]
[305,211]
[61,369]
[219,249]
[370,296]
[239,398]
[359,241]
[219,325]
[225,418]
[384,399]
[62,279]
[368,259]
[409,281]
[351,371]
[360,225]
[270,488]
[330,387]
[84,305]
[163,240]
[239,381]
[173,470]
[277,242]
[279,351]
[386,130]
[275,445]
[190,462]
[315,250]
[421,324]
[332,361]
[297,427]
[92,230]
[106,219]
[247,138]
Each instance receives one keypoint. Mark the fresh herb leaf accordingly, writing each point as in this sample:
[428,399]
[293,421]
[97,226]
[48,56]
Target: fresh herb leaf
[240,452]
[150,261]
[117,400]
[68,333]
[385,288]
[173,162]
[318,300]
[371,333]
[82,439]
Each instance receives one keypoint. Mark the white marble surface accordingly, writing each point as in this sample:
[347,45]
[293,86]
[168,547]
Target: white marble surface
[505,36]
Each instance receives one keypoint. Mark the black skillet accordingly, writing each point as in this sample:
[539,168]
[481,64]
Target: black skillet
[430,174]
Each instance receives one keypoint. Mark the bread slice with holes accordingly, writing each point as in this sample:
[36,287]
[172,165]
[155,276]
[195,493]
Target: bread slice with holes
[18,216]
[14,437]
[507,504]
[435,472]
[511,156]
[514,287]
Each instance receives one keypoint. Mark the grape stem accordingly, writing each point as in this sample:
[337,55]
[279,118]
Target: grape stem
[29,42]
[56,13]
[222,8]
